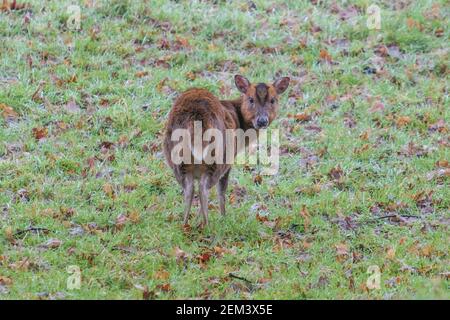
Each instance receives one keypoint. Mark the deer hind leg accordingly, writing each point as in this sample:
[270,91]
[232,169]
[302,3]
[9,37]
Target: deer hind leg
[204,186]
[221,191]
[188,190]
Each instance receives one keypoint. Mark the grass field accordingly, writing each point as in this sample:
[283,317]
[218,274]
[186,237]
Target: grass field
[364,173]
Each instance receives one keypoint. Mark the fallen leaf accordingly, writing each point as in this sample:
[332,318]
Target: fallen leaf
[109,190]
[442,164]
[300,117]
[261,218]
[394,51]
[121,220]
[390,253]
[257,179]
[264,280]
[187,228]
[52,243]
[381,50]
[439,32]
[402,121]
[365,135]
[439,126]
[336,173]
[162,275]
[377,107]
[72,106]
[73,78]
[37,95]
[13,5]
[341,252]
[179,254]
[9,234]
[8,112]
[141,74]
[146,294]
[181,43]
[204,257]
[324,55]
[191,75]
[164,43]
[21,265]
[220,251]
[306,218]
[164,287]
[40,133]
[426,251]
[411,23]
[134,216]
[5,281]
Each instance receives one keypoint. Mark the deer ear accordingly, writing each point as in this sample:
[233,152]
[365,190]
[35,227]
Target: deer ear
[281,84]
[241,83]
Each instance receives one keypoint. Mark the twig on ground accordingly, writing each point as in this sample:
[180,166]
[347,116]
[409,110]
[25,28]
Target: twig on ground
[232,275]
[389,216]
[31,229]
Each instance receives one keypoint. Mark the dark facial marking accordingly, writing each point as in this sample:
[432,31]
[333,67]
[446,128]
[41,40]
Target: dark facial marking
[261,92]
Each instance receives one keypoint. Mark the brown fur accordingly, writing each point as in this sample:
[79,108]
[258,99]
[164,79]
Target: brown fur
[201,105]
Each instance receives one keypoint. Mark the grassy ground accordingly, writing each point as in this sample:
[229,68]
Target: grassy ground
[363,180]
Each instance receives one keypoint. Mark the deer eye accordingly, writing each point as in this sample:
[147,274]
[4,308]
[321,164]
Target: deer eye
[272,101]
[251,100]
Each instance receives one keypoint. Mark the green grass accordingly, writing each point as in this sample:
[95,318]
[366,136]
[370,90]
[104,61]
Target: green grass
[123,70]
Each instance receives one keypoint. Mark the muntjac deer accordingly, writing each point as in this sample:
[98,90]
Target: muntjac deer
[255,109]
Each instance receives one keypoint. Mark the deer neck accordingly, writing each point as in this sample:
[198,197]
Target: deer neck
[234,107]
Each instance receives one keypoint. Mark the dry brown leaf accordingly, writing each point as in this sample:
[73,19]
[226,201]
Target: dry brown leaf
[164,287]
[402,121]
[220,251]
[134,216]
[365,135]
[390,253]
[342,252]
[52,243]
[162,275]
[439,126]
[121,220]
[324,55]
[442,164]
[141,74]
[377,107]
[439,32]
[191,75]
[40,133]
[413,24]
[72,106]
[181,43]
[257,179]
[179,254]
[261,218]
[204,257]
[109,190]
[8,112]
[5,281]
[21,265]
[301,117]
[9,235]
[306,217]
[426,251]
[13,5]
[336,173]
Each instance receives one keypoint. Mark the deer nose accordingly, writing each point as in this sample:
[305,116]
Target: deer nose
[262,122]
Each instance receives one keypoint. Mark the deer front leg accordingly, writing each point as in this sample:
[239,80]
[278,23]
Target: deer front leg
[221,191]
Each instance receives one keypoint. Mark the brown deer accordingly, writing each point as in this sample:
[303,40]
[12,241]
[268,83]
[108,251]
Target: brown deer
[255,109]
